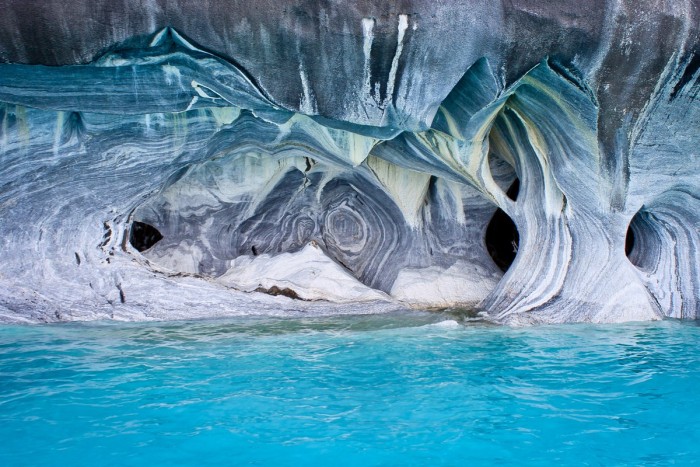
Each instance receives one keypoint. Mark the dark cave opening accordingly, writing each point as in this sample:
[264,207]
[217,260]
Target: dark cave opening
[642,242]
[143,236]
[514,189]
[629,241]
[502,238]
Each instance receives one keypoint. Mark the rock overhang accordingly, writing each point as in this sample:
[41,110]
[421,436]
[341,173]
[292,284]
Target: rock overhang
[393,154]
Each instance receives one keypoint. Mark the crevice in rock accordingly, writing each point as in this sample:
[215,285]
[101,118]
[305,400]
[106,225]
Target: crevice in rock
[122,295]
[107,235]
[629,241]
[693,64]
[143,236]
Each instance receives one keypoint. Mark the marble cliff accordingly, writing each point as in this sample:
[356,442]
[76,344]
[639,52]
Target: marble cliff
[537,161]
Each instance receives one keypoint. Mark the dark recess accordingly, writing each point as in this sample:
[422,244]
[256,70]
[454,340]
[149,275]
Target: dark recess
[514,189]
[502,237]
[691,68]
[274,290]
[143,236]
[629,241]
[643,244]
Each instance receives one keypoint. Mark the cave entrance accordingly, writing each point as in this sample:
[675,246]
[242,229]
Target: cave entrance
[642,243]
[143,236]
[502,237]
[502,240]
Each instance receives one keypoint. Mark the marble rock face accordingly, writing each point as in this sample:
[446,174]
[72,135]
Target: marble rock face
[164,159]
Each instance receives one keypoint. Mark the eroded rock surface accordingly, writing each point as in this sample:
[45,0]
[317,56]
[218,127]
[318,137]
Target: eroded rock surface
[314,157]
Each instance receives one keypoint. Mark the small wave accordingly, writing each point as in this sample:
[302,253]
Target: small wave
[447,324]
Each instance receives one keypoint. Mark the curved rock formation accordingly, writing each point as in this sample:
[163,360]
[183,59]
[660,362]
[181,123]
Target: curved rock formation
[314,157]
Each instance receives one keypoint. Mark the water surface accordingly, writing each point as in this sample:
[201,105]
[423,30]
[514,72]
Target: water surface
[404,389]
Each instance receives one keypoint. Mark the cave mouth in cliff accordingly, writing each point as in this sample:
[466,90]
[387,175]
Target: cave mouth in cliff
[643,244]
[143,236]
[629,241]
[502,240]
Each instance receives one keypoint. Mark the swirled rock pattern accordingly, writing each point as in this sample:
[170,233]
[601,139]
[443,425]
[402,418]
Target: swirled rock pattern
[304,157]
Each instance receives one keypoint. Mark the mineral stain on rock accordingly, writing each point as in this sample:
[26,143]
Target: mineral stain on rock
[274,290]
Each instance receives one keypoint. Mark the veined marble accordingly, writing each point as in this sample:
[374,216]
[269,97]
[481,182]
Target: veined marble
[164,179]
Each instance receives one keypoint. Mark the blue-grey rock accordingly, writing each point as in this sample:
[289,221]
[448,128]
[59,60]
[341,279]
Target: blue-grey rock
[162,159]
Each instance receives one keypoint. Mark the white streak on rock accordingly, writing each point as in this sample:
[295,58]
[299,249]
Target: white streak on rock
[200,89]
[391,82]
[452,190]
[368,38]
[307,104]
[172,75]
[159,38]
[192,103]
[612,11]
[58,132]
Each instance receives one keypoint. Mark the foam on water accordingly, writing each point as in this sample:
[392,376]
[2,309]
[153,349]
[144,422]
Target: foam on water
[409,388]
[447,324]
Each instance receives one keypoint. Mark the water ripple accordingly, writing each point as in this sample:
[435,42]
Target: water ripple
[408,388]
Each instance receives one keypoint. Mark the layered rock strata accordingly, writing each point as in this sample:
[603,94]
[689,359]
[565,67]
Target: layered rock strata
[351,160]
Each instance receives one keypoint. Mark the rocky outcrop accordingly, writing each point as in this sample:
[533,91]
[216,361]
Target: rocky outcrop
[319,158]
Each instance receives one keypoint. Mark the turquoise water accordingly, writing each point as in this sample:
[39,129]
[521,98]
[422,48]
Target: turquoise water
[408,389]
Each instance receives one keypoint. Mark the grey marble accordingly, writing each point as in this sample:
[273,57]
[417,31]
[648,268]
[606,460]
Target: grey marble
[342,159]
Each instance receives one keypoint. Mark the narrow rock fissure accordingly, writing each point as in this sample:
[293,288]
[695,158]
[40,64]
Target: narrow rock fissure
[629,242]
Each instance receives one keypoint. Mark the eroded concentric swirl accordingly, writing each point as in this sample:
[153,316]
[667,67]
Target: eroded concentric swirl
[156,176]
